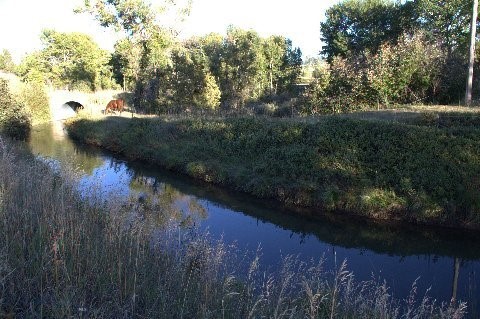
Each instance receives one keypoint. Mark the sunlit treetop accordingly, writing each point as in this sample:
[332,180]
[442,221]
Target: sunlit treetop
[134,17]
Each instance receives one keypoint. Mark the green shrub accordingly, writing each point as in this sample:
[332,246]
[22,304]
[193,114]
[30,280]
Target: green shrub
[14,120]
[412,70]
[283,111]
[265,109]
[406,72]
[36,100]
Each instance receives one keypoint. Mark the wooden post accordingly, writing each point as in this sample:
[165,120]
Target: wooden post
[468,93]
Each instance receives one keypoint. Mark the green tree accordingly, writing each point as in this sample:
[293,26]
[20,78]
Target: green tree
[274,50]
[353,26]
[125,62]
[134,17]
[446,21]
[283,64]
[186,83]
[242,66]
[316,93]
[406,72]
[291,67]
[6,61]
[193,81]
[150,41]
[132,59]
[213,46]
[32,68]
[71,60]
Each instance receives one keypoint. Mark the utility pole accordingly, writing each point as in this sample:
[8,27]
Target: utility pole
[468,94]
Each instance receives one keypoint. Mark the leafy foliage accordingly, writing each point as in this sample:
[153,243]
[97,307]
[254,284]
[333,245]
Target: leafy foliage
[447,22]
[36,101]
[413,70]
[406,72]
[190,83]
[6,62]
[353,26]
[71,60]
[411,51]
[170,76]
[14,120]
[211,71]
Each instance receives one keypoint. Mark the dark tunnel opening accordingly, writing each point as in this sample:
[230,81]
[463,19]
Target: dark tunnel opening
[75,105]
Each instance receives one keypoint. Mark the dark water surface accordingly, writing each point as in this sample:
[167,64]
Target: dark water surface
[398,254]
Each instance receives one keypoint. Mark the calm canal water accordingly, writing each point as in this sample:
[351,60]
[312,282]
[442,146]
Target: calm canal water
[400,255]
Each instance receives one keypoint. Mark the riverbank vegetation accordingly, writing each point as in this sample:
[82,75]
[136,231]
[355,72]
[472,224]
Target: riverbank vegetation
[424,171]
[14,120]
[21,105]
[62,256]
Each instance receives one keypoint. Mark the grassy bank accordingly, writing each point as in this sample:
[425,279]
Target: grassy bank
[63,257]
[424,173]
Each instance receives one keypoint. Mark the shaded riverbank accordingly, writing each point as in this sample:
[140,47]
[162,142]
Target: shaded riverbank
[390,171]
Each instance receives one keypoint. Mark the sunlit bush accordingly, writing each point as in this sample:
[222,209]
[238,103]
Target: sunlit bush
[412,70]
[14,119]
[35,98]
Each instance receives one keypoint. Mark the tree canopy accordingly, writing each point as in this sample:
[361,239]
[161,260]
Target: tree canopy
[71,60]
[354,26]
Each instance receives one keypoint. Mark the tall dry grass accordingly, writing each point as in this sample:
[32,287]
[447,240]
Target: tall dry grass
[63,256]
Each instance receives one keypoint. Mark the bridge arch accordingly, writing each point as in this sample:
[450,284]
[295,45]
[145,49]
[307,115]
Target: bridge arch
[76,106]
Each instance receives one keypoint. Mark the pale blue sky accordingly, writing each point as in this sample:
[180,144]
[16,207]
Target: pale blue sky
[22,20]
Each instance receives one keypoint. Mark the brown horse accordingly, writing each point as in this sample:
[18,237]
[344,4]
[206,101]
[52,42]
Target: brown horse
[115,105]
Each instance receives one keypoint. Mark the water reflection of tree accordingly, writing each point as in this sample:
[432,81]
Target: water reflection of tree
[116,165]
[166,204]
[456,271]
[50,141]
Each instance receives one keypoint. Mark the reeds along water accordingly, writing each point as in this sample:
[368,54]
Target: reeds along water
[63,257]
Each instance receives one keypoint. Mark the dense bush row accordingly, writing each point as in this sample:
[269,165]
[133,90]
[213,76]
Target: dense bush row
[413,70]
[381,170]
